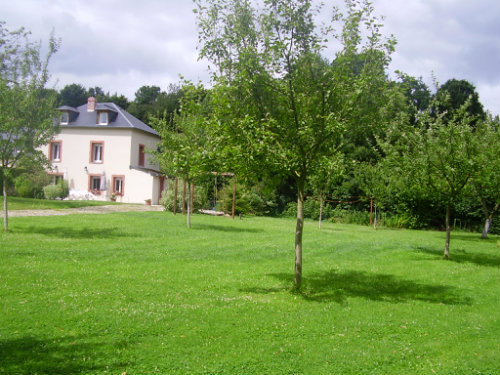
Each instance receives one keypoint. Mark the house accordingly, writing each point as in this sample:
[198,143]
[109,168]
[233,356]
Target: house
[101,152]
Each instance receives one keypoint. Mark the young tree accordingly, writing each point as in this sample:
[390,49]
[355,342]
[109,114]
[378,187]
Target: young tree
[438,153]
[281,106]
[328,172]
[27,108]
[486,180]
[185,148]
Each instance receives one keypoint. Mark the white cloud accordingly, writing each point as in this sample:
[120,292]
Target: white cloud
[121,45]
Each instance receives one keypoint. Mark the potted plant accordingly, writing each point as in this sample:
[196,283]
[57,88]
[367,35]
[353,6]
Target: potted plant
[148,202]
[113,197]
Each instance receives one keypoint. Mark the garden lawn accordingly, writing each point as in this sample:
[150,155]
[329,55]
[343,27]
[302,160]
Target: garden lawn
[17,203]
[139,293]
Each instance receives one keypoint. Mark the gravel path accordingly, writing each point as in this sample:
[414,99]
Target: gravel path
[85,210]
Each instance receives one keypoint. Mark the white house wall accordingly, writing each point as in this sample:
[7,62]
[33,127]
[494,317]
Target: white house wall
[120,158]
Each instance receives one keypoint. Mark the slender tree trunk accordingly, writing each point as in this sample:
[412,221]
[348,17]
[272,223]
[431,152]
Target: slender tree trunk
[234,198]
[371,211]
[375,218]
[5,212]
[486,229]
[192,197]
[189,198]
[184,197]
[321,201]
[176,189]
[448,233]
[298,234]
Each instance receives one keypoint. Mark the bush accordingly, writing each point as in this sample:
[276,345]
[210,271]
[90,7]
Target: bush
[56,191]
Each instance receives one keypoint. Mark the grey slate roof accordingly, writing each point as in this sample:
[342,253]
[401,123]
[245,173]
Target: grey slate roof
[118,118]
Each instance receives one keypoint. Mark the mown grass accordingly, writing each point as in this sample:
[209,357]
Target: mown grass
[139,293]
[17,203]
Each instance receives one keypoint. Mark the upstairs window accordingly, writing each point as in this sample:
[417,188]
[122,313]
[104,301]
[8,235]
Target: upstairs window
[142,155]
[55,151]
[96,152]
[64,118]
[102,118]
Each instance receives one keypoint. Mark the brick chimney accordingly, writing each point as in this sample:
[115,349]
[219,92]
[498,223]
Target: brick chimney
[91,104]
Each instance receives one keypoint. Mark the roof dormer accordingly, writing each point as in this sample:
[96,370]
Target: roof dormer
[68,114]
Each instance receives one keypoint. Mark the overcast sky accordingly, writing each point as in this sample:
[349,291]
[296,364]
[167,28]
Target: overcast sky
[121,45]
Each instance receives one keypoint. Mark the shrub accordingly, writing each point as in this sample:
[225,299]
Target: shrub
[56,191]
[167,197]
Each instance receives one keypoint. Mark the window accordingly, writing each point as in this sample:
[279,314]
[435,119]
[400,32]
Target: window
[56,178]
[141,155]
[96,152]
[102,118]
[95,184]
[118,185]
[55,151]
[64,118]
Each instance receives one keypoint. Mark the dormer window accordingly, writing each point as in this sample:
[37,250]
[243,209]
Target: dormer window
[102,118]
[64,118]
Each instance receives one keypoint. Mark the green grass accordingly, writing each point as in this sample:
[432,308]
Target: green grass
[17,203]
[139,293]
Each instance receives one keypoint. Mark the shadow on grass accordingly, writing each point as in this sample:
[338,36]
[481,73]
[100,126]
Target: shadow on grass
[462,256]
[224,228]
[333,286]
[75,233]
[66,355]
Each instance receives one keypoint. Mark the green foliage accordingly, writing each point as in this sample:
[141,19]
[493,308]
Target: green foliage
[28,186]
[252,200]
[56,191]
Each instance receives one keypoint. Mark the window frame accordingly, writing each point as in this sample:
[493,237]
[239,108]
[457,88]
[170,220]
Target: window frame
[105,113]
[64,118]
[51,151]
[92,177]
[91,158]
[115,178]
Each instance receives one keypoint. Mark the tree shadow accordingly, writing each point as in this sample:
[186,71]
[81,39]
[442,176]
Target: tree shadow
[66,355]
[335,286]
[76,233]
[225,228]
[462,256]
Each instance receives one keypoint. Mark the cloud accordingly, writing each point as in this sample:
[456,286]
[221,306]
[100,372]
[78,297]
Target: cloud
[121,45]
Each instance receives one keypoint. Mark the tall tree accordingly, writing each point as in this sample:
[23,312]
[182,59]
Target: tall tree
[27,109]
[454,94]
[278,103]
[73,95]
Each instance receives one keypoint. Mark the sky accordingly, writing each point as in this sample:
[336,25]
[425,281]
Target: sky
[121,45]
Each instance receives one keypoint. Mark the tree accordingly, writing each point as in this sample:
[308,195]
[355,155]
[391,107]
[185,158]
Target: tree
[454,94]
[372,180]
[27,109]
[439,154]
[328,172]
[73,95]
[417,93]
[486,180]
[280,106]
[185,147]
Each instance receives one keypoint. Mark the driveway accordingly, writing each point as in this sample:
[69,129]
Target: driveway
[85,210]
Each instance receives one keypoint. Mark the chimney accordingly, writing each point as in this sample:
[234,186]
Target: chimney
[91,104]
